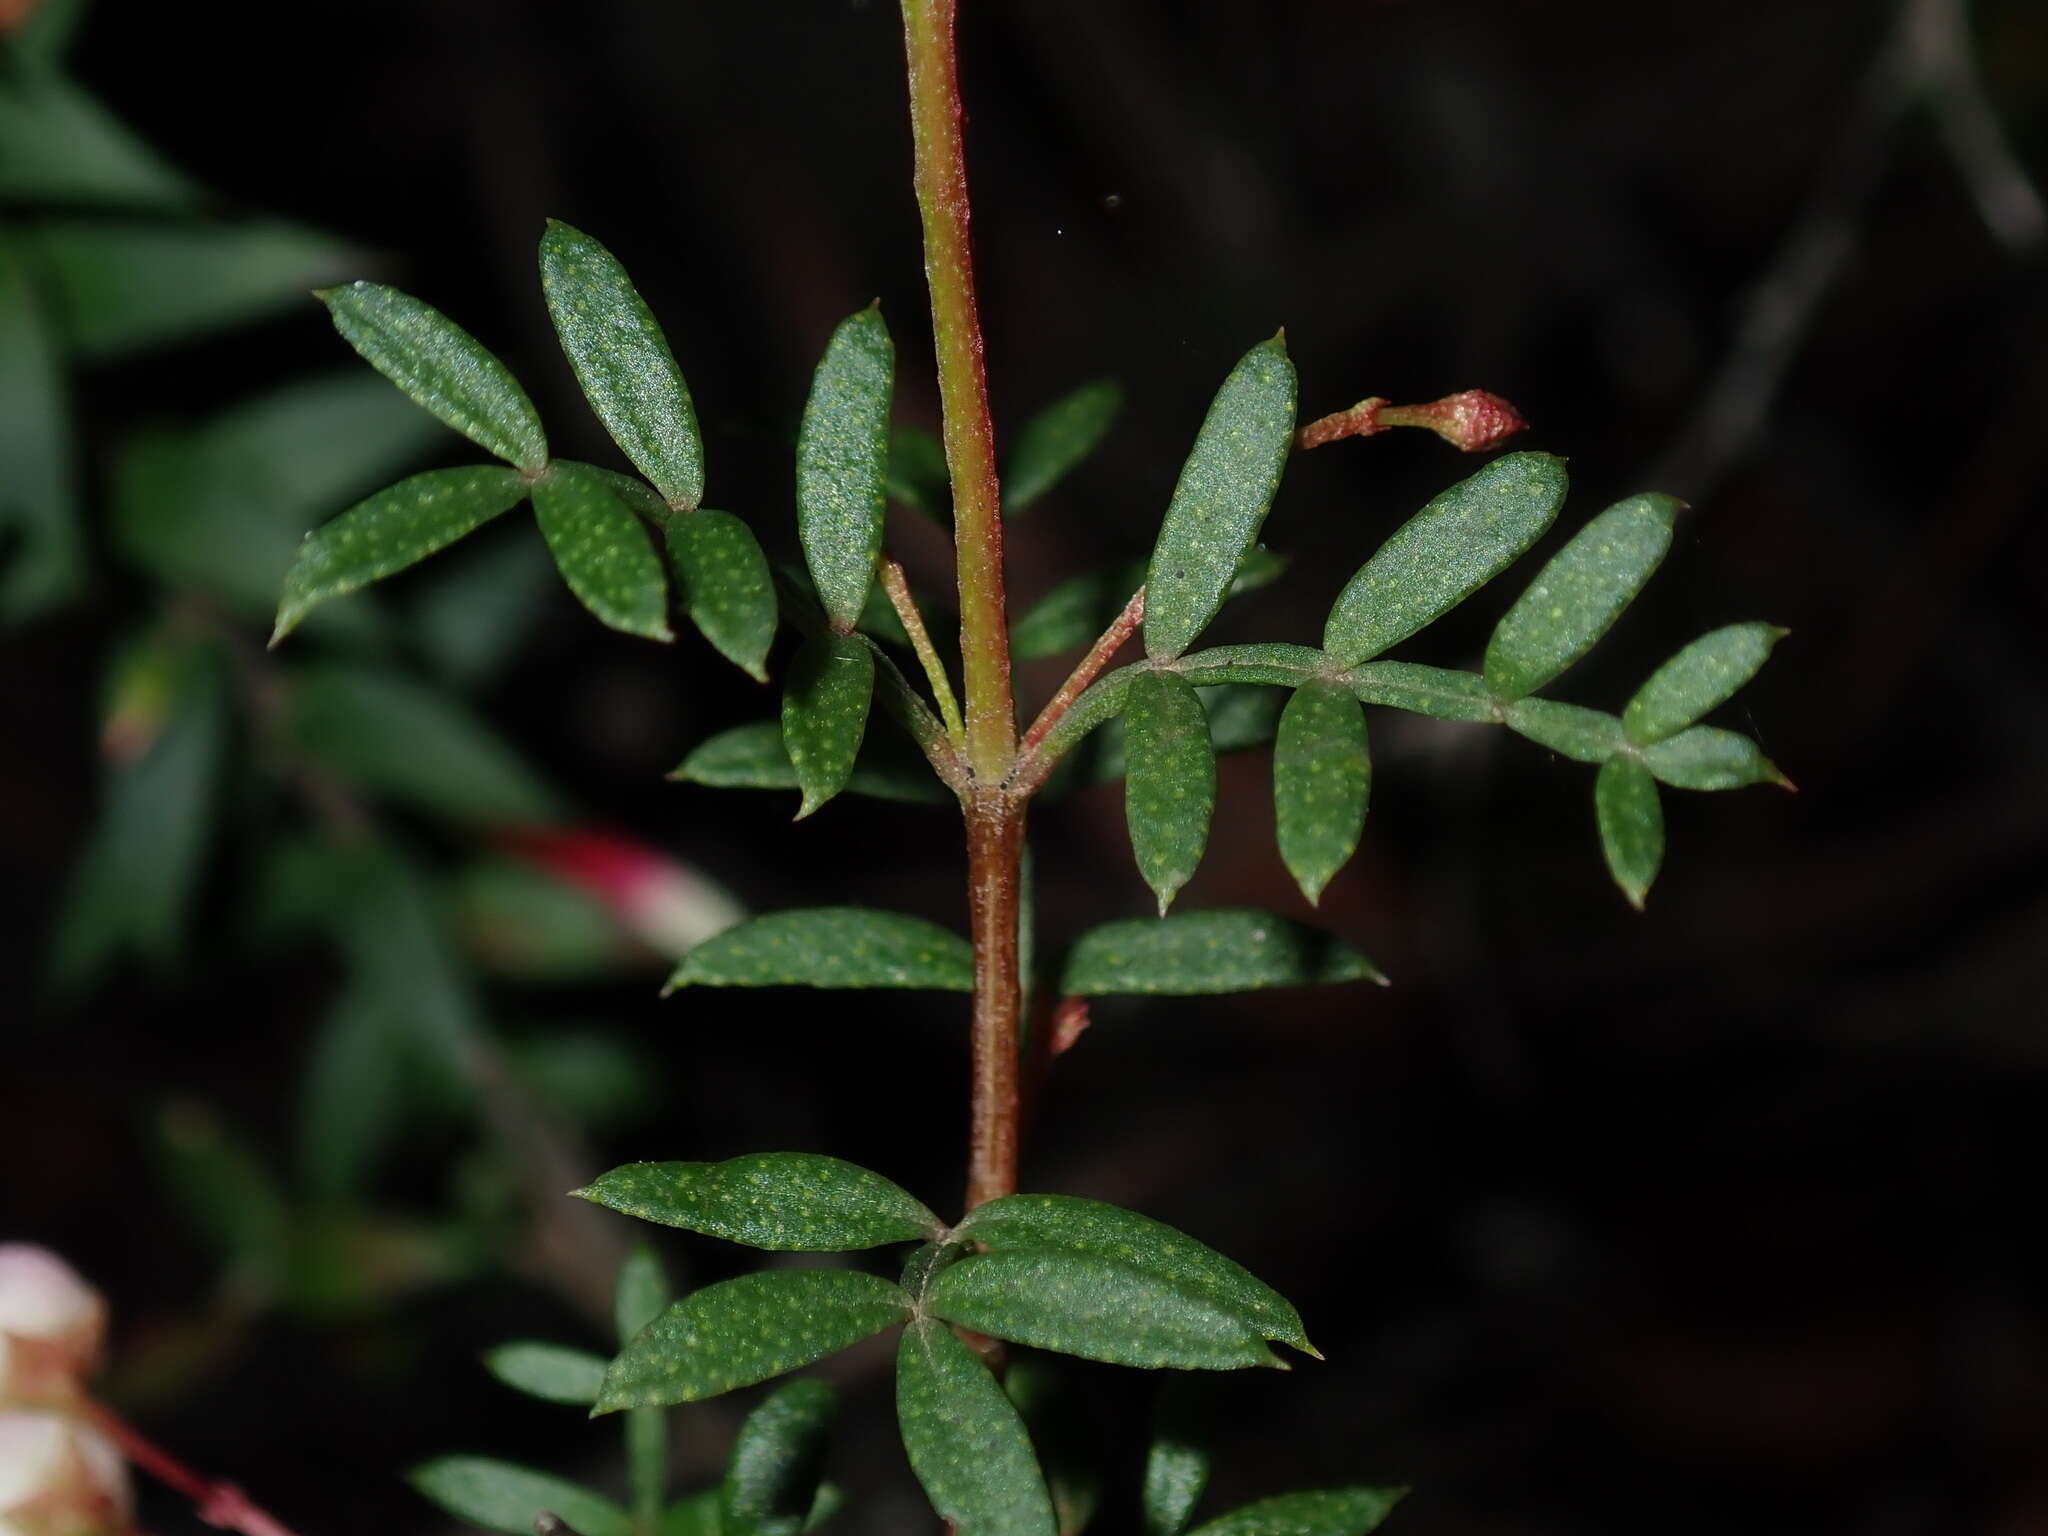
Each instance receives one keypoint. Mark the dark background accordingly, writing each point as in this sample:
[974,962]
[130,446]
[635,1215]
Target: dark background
[1707,1220]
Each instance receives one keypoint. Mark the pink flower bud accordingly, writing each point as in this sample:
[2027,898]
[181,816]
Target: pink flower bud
[60,1477]
[51,1325]
[666,905]
[1473,420]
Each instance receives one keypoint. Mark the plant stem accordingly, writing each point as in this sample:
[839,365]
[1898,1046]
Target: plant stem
[898,588]
[995,850]
[1120,629]
[218,1504]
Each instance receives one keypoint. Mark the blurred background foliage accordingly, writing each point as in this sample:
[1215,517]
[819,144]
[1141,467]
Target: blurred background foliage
[1715,1217]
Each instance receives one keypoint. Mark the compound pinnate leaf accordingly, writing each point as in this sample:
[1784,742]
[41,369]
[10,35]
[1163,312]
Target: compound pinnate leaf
[1221,499]
[825,703]
[623,362]
[1169,780]
[851,947]
[1443,554]
[842,465]
[1702,677]
[503,1496]
[771,1482]
[1093,1228]
[741,1331]
[552,1372]
[1578,595]
[790,1202]
[1585,735]
[1437,692]
[1322,778]
[602,551]
[1198,953]
[641,1293]
[1081,1305]
[753,757]
[1056,439]
[1330,1512]
[391,530]
[442,367]
[965,1439]
[1707,757]
[1631,825]
[726,585]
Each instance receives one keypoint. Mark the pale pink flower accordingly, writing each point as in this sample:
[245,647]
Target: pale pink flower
[60,1477]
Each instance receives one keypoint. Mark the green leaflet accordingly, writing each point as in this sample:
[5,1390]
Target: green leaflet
[1176,1467]
[470,616]
[842,465]
[641,1294]
[965,1439]
[1082,1305]
[1702,677]
[1322,778]
[1578,595]
[1434,691]
[1221,499]
[1241,715]
[1198,953]
[1707,757]
[391,530]
[1274,665]
[1056,439]
[1332,1512]
[389,734]
[1631,825]
[602,551]
[552,1372]
[771,1482]
[352,1095]
[64,148]
[825,703]
[789,1202]
[1584,735]
[753,757]
[39,524]
[726,585]
[224,1188]
[441,366]
[1092,1228]
[741,1331]
[697,1514]
[503,1496]
[1443,554]
[623,362]
[1169,780]
[849,947]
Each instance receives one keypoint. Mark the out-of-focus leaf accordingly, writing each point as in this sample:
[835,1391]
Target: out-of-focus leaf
[917,473]
[392,736]
[1058,438]
[121,287]
[825,703]
[602,551]
[1225,488]
[1700,678]
[1169,780]
[470,615]
[1584,735]
[1333,1512]
[224,1189]
[391,530]
[1631,825]
[849,947]
[642,1294]
[1198,953]
[1095,1229]
[698,1514]
[1434,691]
[1176,1467]
[1095,1308]
[965,1439]
[553,1373]
[518,921]
[727,586]
[842,464]
[443,368]
[1443,554]
[1069,1439]
[504,1497]
[587,1074]
[753,757]
[41,38]
[789,1202]
[355,1094]
[623,362]
[59,146]
[771,1482]
[38,501]
[1578,595]
[1707,757]
[741,1331]
[1322,778]
[1079,609]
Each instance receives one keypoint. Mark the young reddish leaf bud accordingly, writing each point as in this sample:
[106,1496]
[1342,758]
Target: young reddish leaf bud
[60,1477]
[51,1325]
[666,905]
[1473,420]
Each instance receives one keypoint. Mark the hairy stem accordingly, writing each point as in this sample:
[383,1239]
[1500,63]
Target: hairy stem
[995,851]
[1121,628]
[898,588]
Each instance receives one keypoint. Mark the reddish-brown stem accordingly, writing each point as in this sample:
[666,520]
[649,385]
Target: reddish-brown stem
[995,853]
[218,1504]
[1121,628]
